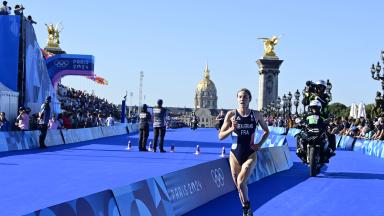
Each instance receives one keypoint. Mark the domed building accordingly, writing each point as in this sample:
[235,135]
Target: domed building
[206,95]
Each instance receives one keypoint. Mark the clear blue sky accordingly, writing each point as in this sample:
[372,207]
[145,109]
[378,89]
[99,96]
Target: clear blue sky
[171,41]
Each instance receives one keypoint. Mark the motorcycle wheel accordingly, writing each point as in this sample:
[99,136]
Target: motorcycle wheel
[312,162]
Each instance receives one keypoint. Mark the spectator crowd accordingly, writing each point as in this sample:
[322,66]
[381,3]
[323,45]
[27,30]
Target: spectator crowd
[79,110]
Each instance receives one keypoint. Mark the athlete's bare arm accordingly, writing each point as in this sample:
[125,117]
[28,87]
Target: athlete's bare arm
[259,118]
[229,125]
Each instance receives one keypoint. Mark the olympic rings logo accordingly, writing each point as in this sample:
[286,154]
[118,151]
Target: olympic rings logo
[61,63]
[218,177]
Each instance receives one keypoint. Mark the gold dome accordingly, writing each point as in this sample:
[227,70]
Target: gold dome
[206,84]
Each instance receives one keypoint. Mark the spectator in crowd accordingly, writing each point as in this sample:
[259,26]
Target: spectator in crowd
[75,120]
[66,118]
[100,121]
[379,129]
[44,116]
[54,124]
[4,123]
[5,9]
[74,100]
[159,126]
[90,120]
[19,10]
[110,120]
[220,119]
[22,120]
[29,18]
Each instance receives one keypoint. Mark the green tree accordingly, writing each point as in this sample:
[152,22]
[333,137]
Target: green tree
[339,109]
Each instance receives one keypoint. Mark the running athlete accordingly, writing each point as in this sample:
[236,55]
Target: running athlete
[241,124]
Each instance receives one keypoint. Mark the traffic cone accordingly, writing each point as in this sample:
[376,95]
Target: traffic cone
[172,148]
[129,146]
[222,152]
[197,152]
[150,146]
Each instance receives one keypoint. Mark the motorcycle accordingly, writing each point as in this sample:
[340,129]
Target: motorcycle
[313,143]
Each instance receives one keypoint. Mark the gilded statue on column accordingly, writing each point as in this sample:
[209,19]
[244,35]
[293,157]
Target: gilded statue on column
[54,35]
[269,45]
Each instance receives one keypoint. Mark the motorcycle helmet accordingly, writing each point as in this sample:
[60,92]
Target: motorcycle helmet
[315,104]
[321,85]
[160,102]
[145,107]
[321,82]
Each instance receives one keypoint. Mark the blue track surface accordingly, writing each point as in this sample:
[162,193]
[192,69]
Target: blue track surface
[352,184]
[35,179]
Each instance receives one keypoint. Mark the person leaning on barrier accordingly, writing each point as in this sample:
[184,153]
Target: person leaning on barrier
[144,119]
[44,116]
[4,123]
[110,121]
[29,18]
[19,10]
[22,120]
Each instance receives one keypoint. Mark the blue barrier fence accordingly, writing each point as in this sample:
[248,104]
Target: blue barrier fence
[171,194]
[370,147]
[22,140]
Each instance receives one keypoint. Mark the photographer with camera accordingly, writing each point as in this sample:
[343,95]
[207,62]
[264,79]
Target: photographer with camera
[316,91]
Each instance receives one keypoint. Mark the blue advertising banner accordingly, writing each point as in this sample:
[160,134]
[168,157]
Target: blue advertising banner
[9,50]
[18,140]
[359,143]
[37,82]
[346,142]
[147,197]
[98,204]
[69,64]
[194,186]
[264,166]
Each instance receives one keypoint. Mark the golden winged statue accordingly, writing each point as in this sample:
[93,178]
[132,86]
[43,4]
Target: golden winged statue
[269,44]
[54,35]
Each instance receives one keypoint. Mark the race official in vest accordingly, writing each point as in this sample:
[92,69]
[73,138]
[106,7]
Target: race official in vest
[159,114]
[145,118]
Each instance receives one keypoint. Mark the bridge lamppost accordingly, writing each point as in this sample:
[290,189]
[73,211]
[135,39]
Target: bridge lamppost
[376,71]
[328,89]
[289,103]
[284,103]
[297,98]
[268,109]
[278,105]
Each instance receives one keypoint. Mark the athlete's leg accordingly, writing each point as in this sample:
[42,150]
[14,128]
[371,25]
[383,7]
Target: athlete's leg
[235,170]
[242,178]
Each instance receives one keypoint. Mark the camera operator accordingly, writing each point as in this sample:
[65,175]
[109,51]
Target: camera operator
[316,91]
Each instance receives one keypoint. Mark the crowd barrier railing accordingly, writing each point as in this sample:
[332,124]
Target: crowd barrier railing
[22,140]
[19,140]
[171,194]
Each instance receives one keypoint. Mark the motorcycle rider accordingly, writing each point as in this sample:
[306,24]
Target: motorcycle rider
[313,119]
[317,91]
